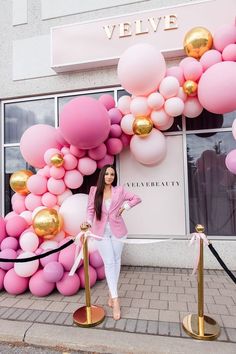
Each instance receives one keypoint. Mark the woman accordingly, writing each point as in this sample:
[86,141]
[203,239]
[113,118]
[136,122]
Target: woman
[106,203]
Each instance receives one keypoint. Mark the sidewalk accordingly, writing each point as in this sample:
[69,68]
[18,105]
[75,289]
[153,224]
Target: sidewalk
[154,302]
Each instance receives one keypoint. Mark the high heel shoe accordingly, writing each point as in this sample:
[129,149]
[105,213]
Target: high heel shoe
[116,309]
[110,302]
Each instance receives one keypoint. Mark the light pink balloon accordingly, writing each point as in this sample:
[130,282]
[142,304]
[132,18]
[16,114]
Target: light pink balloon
[15,226]
[159,117]
[10,215]
[68,285]
[85,122]
[107,101]
[37,184]
[3,232]
[48,259]
[73,179]
[169,87]
[177,72]
[35,141]
[59,237]
[53,272]
[65,150]
[45,171]
[115,115]
[230,161]
[60,138]
[174,106]
[98,153]
[127,124]
[56,186]
[57,172]
[124,104]
[92,276]
[193,70]
[26,269]
[70,162]
[229,53]
[114,146]
[19,206]
[115,131]
[63,196]
[32,201]
[77,152]
[181,94]
[14,284]
[106,160]
[234,129]
[224,36]
[2,275]
[9,243]
[167,125]
[210,58]
[38,286]
[49,200]
[17,196]
[139,106]
[218,80]
[185,61]
[67,257]
[192,108]
[87,166]
[149,150]
[7,253]
[49,154]
[29,241]
[155,100]
[27,215]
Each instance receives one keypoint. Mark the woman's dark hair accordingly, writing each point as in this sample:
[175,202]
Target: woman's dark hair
[100,189]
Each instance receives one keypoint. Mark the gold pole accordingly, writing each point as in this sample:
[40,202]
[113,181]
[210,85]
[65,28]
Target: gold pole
[200,326]
[89,315]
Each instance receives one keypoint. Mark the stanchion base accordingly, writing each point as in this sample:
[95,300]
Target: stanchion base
[97,316]
[211,327]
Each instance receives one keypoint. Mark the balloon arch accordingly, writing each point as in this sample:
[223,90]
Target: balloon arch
[46,213]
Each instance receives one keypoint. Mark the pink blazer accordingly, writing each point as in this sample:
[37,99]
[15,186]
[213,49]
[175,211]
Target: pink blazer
[118,196]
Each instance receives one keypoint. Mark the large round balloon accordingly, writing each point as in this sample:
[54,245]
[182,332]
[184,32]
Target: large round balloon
[84,122]
[217,88]
[35,141]
[141,69]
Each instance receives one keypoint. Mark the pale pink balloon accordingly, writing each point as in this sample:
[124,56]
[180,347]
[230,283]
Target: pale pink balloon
[107,101]
[193,70]
[84,122]
[169,87]
[224,36]
[68,285]
[77,152]
[56,186]
[124,104]
[177,72]
[33,201]
[210,58]
[98,153]
[35,141]
[57,172]
[185,61]
[114,146]
[49,245]
[229,53]
[125,140]
[37,184]
[149,150]
[106,160]
[155,100]
[70,162]
[3,232]
[26,269]
[7,254]
[65,150]
[159,117]
[38,286]
[49,200]
[127,124]
[17,196]
[14,284]
[49,154]
[139,106]
[167,125]
[73,179]
[29,241]
[115,115]
[230,161]
[59,237]
[181,94]
[174,106]
[9,243]
[18,206]
[115,131]
[217,88]
[234,129]
[87,166]
[192,108]
[63,196]
[141,68]
[27,215]
[15,226]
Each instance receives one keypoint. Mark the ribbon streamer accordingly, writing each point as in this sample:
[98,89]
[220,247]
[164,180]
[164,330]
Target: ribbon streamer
[197,236]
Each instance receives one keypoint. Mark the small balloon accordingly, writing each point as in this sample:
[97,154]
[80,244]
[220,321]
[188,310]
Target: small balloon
[197,41]
[47,222]
[190,87]
[18,181]
[142,126]
[57,160]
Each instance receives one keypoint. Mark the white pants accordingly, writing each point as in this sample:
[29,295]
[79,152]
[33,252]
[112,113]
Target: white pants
[110,249]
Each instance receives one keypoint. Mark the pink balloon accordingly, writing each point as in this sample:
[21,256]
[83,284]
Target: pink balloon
[92,276]
[218,80]
[15,226]
[125,139]
[2,275]
[33,147]
[127,124]
[38,286]
[155,100]
[32,201]
[16,197]
[9,243]
[60,138]
[85,122]
[49,154]
[27,215]
[37,184]
[18,206]
[7,254]
[106,160]
[63,196]
[95,260]
[49,200]
[44,171]
[73,179]
[230,161]
[98,153]
[139,106]
[10,215]
[114,146]
[65,150]
[3,232]
[192,108]
[177,72]
[193,70]
[48,259]
[67,257]
[14,284]
[56,186]
[168,124]
[53,272]
[68,285]
[210,58]
[115,115]
[174,106]
[29,241]
[181,94]
[185,61]
[57,172]
[87,166]
[169,87]
[124,104]
[100,273]
[107,101]
[70,162]
[115,131]
[229,53]
[159,117]
[149,150]
[77,152]
[141,69]
[224,36]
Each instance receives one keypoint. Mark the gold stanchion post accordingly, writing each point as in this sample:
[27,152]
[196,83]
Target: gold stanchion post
[89,315]
[199,326]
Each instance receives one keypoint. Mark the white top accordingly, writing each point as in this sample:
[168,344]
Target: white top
[107,230]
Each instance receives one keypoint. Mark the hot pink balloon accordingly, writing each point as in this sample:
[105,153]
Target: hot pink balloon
[92,276]
[115,131]
[229,53]
[114,146]
[107,101]
[3,232]
[218,80]
[141,69]
[124,104]
[95,260]
[125,140]
[2,275]
[73,179]
[85,122]
[87,166]
[155,100]
[98,153]
[115,115]
[33,201]
[210,58]
[70,162]
[7,254]
[76,151]
[177,72]
[14,284]
[106,160]
[56,186]
[230,161]
[15,226]
[9,243]
[192,108]
[68,285]
[37,184]
[53,272]
[39,286]
[49,200]
[33,147]
[57,172]
[224,36]
[193,70]
[100,273]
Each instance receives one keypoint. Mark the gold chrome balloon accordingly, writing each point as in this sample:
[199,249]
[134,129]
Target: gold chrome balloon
[57,160]
[18,181]
[47,222]
[142,126]
[190,87]
[197,41]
